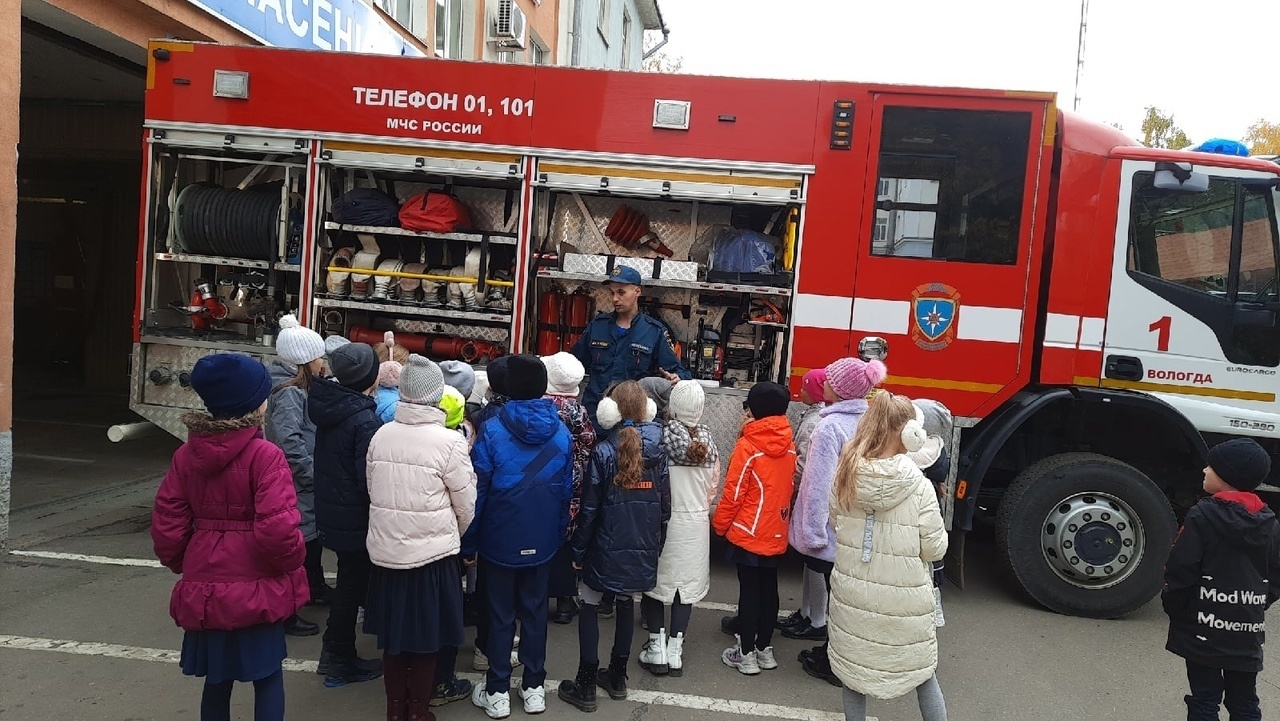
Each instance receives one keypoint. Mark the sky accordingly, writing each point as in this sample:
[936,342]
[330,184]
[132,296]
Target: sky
[1214,65]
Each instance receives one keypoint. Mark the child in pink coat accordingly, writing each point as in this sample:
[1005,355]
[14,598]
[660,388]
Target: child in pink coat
[226,519]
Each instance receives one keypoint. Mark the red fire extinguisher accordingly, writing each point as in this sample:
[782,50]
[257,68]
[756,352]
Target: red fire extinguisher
[578,306]
[551,307]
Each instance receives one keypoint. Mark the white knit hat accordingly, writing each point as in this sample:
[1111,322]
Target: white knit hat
[297,344]
[686,403]
[564,374]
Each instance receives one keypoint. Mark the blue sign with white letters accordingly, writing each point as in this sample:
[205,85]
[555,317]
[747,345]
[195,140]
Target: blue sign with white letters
[347,25]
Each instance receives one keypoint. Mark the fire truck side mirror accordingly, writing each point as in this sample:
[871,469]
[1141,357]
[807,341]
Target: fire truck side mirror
[1180,177]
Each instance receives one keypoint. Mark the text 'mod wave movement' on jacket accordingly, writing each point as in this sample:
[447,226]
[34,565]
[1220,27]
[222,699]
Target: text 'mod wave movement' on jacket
[422,489]
[621,530]
[345,423]
[226,518]
[756,504]
[881,624]
[523,459]
[287,425]
[1222,575]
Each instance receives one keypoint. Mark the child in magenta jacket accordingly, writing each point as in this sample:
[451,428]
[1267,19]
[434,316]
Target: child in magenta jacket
[226,519]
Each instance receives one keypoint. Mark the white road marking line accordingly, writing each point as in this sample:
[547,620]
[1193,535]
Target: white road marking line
[55,459]
[84,558]
[152,563]
[656,698]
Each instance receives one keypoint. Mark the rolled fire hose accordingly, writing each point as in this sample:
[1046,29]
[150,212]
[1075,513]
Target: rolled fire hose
[411,287]
[382,283]
[336,282]
[463,295]
[366,259]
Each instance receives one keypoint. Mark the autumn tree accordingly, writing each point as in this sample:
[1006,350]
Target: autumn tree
[661,62]
[1263,138]
[1159,131]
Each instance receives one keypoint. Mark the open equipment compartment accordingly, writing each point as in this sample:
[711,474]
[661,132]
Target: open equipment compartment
[223,233]
[440,273]
[677,222]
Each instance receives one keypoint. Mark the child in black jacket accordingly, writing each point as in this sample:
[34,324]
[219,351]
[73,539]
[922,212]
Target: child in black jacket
[1223,574]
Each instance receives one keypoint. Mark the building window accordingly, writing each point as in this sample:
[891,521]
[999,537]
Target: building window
[411,14]
[626,39]
[539,54]
[951,184]
[449,28]
[602,20]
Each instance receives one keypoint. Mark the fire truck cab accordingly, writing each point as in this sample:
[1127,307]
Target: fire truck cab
[1094,314]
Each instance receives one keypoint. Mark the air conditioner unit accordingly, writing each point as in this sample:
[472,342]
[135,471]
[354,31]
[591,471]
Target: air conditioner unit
[510,28]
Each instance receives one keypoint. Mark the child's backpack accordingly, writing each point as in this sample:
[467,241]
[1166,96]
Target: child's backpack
[434,212]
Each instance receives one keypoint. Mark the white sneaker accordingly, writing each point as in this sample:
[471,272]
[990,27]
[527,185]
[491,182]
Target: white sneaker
[766,660]
[675,655]
[653,657]
[535,699]
[495,705]
[746,663]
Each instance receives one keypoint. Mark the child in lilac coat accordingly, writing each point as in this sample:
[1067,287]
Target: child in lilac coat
[849,381]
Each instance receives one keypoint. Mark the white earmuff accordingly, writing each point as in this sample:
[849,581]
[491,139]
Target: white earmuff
[650,410]
[607,413]
[913,436]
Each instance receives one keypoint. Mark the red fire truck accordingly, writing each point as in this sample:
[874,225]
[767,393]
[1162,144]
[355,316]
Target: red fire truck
[1094,313]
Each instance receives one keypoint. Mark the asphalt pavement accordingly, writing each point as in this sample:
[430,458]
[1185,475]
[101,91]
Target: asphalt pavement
[85,633]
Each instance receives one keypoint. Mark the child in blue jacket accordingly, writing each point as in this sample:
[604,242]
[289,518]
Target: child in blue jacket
[524,473]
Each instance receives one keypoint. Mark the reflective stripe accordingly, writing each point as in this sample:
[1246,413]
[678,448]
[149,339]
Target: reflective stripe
[867,533]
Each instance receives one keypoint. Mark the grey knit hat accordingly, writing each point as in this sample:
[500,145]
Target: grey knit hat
[460,376]
[421,382]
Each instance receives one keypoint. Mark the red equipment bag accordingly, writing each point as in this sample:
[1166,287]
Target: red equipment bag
[434,212]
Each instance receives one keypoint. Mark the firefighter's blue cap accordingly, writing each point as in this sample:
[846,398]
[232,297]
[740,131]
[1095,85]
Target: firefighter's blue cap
[624,274]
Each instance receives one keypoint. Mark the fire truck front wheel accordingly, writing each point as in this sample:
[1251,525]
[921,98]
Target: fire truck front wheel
[1086,535]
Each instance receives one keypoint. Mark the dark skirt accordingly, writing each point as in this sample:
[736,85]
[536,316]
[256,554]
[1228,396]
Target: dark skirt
[418,610]
[246,654]
[743,557]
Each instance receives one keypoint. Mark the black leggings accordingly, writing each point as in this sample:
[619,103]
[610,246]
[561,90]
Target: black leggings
[653,612]
[589,631]
[757,606]
[268,699]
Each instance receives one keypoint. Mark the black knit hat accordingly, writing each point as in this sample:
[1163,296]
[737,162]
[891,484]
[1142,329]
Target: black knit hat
[768,399]
[496,372]
[1241,463]
[526,378]
[355,365]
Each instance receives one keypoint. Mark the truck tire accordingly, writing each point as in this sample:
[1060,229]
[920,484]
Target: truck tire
[1086,535]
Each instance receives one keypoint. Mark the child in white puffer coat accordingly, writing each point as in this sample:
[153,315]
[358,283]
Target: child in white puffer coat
[889,529]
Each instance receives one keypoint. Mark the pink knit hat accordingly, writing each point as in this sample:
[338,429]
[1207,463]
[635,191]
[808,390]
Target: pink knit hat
[389,374]
[812,383]
[853,378]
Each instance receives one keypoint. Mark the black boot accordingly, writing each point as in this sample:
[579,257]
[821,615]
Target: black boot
[566,609]
[614,679]
[351,669]
[296,625]
[581,692]
[729,625]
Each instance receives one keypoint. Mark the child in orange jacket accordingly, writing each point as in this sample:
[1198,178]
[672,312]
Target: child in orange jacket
[752,515]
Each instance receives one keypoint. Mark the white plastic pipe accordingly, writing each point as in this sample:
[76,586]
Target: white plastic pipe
[131,431]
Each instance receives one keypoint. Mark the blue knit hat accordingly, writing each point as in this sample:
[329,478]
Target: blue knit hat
[230,384]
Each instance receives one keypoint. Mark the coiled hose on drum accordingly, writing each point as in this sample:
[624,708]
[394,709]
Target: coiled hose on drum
[225,222]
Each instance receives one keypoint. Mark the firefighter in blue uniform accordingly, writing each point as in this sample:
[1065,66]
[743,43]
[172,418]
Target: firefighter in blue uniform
[625,344]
